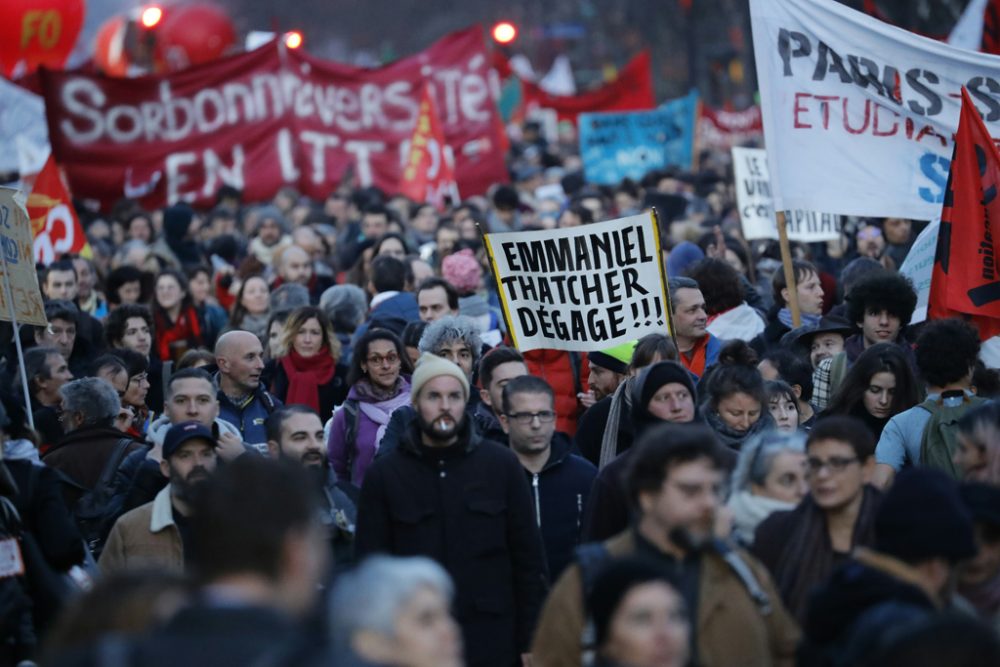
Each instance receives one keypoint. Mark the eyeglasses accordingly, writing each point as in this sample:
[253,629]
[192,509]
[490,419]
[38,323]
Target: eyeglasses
[833,464]
[390,359]
[545,416]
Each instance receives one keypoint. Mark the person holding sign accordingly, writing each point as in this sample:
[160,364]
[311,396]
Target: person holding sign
[699,350]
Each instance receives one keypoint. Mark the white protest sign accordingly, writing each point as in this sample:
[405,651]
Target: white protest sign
[753,196]
[583,288]
[859,115]
[918,266]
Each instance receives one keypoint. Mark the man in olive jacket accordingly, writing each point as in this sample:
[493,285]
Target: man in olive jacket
[447,494]
[737,617]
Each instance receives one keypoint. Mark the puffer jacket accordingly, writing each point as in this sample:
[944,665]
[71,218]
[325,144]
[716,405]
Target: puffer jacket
[557,368]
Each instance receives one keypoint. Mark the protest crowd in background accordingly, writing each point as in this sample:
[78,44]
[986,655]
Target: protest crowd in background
[320,429]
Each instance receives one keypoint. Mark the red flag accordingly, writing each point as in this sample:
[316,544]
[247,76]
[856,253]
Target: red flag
[428,175]
[54,224]
[632,90]
[965,281]
[991,28]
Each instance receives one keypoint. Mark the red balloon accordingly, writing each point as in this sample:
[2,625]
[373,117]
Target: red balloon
[191,35]
[38,32]
[110,54]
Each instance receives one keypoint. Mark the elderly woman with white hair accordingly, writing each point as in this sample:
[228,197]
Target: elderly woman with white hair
[394,612]
[770,476]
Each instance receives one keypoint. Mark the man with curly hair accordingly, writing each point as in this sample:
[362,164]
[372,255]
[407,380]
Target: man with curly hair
[946,356]
[880,305]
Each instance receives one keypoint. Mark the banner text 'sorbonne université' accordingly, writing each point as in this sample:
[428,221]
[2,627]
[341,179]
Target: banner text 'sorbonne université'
[269,118]
[583,288]
[859,116]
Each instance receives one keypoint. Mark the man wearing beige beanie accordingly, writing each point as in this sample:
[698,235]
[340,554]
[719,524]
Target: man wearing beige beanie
[446,493]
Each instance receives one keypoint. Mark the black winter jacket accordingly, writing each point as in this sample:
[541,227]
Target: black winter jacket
[560,493]
[468,507]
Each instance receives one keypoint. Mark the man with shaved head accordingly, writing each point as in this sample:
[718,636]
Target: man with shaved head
[243,400]
[295,265]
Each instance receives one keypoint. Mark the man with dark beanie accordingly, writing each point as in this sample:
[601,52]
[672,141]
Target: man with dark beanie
[663,392]
[922,531]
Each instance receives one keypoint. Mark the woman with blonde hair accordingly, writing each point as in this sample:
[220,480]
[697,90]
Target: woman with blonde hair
[307,370]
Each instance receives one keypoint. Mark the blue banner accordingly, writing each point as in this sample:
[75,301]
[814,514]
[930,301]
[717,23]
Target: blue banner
[615,146]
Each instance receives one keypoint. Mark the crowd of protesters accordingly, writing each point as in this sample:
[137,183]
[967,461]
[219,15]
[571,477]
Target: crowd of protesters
[295,432]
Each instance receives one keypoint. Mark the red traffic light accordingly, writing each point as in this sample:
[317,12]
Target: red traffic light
[293,39]
[504,32]
[150,16]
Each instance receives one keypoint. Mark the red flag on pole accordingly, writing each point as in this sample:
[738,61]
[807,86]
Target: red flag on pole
[965,281]
[428,174]
[54,224]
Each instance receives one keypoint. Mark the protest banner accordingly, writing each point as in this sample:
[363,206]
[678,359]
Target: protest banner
[583,288]
[753,197]
[965,281]
[20,299]
[54,223]
[859,116]
[721,130]
[615,146]
[269,118]
[918,266]
[429,172]
[632,90]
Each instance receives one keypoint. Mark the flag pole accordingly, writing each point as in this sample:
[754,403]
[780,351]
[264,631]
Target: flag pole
[786,263]
[17,341]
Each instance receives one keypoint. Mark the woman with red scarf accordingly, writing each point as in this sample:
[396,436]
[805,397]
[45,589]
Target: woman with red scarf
[307,372]
[175,319]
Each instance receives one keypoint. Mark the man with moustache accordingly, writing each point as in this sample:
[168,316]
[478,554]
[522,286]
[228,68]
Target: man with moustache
[295,433]
[155,536]
[675,482]
[446,493]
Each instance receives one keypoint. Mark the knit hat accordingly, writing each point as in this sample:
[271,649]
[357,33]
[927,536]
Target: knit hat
[615,359]
[430,366]
[180,433]
[683,255]
[463,271]
[615,581]
[923,517]
[655,376]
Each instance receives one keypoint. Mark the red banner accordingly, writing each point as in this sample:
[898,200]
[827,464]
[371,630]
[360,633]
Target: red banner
[965,280]
[721,130]
[632,90]
[269,118]
[54,224]
[428,174]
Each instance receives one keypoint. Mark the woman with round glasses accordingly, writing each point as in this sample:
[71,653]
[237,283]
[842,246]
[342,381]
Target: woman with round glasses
[802,547]
[379,384]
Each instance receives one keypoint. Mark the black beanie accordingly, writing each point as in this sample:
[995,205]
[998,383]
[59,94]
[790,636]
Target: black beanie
[614,581]
[657,375]
[607,361]
[923,517]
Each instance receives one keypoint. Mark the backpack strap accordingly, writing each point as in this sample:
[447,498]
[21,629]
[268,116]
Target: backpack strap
[350,408]
[746,576]
[113,462]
